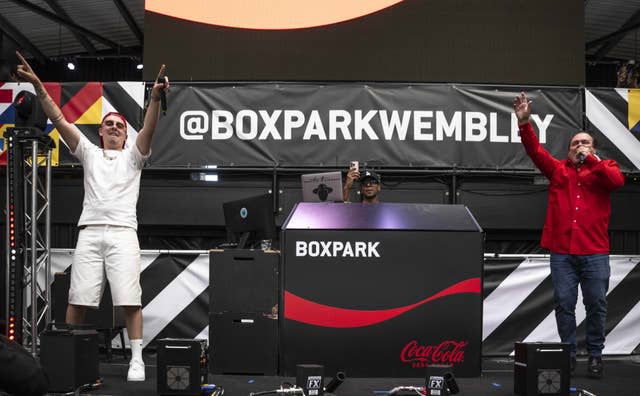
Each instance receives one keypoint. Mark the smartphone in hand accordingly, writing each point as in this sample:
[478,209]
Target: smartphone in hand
[354,165]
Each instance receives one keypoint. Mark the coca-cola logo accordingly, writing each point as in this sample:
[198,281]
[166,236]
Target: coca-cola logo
[447,352]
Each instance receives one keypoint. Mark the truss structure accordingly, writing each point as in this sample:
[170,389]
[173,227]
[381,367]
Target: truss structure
[28,242]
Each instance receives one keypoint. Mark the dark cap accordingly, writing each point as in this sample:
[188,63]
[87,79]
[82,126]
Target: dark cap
[369,174]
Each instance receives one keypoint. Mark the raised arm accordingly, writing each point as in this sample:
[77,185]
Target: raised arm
[351,176]
[68,132]
[540,157]
[145,136]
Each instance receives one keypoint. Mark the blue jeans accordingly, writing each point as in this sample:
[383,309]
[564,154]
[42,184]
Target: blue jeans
[592,273]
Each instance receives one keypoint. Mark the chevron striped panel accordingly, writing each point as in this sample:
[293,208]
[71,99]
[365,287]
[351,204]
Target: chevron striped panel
[613,113]
[518,303]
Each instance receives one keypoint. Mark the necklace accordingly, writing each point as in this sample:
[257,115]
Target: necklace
[108,157]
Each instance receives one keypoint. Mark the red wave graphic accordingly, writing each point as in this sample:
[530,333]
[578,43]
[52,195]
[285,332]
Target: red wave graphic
[309,312]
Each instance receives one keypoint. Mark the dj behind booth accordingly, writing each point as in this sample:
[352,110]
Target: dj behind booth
[381,290]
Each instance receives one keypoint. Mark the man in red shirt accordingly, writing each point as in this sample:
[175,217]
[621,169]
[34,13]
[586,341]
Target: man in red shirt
[575,231]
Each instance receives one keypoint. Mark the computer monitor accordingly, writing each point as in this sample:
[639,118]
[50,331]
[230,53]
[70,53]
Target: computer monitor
[322,187]
[250,220]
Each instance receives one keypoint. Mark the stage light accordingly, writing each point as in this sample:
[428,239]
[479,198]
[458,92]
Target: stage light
[140,66]
[71,66]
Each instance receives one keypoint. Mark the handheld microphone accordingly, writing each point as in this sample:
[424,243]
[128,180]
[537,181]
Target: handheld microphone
[163,95]
[581,158]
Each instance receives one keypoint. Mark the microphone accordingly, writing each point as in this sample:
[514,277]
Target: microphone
[163,95]
[581,158]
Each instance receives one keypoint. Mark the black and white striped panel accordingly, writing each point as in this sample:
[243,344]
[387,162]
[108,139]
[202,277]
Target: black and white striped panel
[607,111]
[175,292]
[518,302]
[518,305]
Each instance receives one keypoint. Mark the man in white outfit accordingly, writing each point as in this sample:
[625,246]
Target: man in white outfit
[108,241]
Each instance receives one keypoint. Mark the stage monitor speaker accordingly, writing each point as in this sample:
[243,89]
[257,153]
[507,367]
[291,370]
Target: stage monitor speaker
[105,317]
[310,377]
[69,356]
[541,369]
[243,343]
[243,280]
[182,366]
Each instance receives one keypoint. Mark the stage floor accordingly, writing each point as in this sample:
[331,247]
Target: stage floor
[621,378]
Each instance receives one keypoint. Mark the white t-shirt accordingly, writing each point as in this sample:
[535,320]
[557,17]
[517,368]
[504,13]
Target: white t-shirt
[111,184]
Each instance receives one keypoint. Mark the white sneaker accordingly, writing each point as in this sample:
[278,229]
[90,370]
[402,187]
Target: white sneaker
[136,370]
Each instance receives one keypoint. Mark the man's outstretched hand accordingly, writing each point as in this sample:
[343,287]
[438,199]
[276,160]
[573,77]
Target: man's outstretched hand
[161,83]
[522,108]
[24,70]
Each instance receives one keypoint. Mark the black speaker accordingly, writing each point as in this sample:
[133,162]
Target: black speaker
[541,369]
[310,377]
[105,317]
[69,356]
[243,343]
[182,366]
[243,280]
[243,328]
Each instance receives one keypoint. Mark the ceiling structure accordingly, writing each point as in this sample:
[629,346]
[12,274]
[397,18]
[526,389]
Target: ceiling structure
[612,30]
[59,29]
[46,29]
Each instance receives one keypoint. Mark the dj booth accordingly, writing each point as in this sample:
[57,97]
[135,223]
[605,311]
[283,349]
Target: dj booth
[381,290]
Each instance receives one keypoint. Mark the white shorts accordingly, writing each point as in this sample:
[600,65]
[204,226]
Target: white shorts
[110,250]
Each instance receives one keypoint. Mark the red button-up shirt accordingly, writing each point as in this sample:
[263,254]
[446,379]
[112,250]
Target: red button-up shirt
[579,203]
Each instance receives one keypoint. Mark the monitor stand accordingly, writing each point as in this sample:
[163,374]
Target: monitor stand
[243,240]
